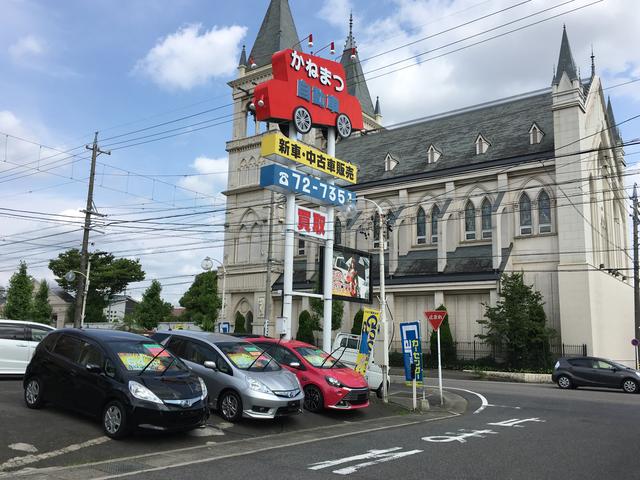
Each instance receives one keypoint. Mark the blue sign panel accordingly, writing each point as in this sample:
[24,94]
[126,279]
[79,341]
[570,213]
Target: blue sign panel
[333,104]
[411,351]
[304,90]
[318,97]
[283,180]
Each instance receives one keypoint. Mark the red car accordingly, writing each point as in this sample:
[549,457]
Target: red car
[326,382]
[310,91]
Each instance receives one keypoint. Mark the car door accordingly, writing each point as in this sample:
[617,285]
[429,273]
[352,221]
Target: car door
[582,370]
[604,374]
[199,352]
[35,334]
[64,368]
[91,388]
[14,348]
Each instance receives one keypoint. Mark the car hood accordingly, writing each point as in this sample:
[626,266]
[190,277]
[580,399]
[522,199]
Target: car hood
[347,377]
[172,387]
[276,380]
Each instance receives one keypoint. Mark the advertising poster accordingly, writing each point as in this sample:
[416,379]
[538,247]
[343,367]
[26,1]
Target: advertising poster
[370,320]
[411,351]
[351,275]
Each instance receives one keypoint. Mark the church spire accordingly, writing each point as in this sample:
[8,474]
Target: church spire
[243,57]
[356,83]
[277,32]
[593,63]
[565,60]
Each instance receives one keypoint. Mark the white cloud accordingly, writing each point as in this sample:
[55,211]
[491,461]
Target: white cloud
[191,57]
[26,48]
[212,178]
[335,12]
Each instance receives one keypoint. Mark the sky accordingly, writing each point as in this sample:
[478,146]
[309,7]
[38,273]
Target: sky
[125,67]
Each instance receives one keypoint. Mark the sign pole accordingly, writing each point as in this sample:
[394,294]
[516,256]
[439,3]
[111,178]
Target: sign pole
[415,396]
[328,257]
[440,368]
[289,240]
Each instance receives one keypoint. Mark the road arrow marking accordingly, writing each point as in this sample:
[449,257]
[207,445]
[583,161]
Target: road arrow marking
[515,422]
[458,437]
[369,454]
[384,458]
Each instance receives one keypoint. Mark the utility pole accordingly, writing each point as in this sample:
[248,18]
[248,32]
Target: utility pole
[84,253]
[267,286]
[636,269]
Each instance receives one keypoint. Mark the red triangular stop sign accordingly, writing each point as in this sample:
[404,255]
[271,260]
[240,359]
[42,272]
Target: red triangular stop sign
[435,317]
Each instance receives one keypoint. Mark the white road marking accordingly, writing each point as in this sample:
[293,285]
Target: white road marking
[385,458]
[27,459]
[503,406]
[23,447]
[458,437]
[362,456]
[515,422]
[484,401]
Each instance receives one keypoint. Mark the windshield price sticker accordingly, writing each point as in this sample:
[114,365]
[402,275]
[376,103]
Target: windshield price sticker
[284,180]
[287,151]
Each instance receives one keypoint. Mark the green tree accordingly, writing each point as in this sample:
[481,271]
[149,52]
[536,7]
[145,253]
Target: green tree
[357,322]
[201,302]
[317,309]
[152,309]
[19,295]
[517,324]
[109,276]
[41,309]
[305,328]
[447,347]
[238,326]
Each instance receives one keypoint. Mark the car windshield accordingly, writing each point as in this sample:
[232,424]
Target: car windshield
[135,355]
[318,357]
[247,356]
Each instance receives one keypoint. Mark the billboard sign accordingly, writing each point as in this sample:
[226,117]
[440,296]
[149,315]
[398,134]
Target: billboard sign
[284,180]
[370,320]
[311,223]
[351,275]
[411,351]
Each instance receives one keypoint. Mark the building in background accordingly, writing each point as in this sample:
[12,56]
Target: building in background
[118,307]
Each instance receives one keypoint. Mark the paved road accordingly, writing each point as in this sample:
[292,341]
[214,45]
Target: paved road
[522,431]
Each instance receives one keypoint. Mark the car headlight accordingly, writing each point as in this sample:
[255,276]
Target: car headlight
[334,382]
[557,365]
[203,388]
[258,386]
[638,373]
[143,393]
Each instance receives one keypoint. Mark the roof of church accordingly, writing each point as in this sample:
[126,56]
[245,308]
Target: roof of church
[277,32]
[504,124]
[356,83]
[566,63]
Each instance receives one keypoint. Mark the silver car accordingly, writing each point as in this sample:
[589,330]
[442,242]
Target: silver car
[242,380]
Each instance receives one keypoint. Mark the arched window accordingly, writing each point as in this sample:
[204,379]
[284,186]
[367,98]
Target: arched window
[469,221]
[421,225]
[337,232]
[486,218]
[544,212]
[435,216]
[255,247]
[242,250]
[525,215]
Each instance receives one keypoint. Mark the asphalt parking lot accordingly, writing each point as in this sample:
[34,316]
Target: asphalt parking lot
[55,437]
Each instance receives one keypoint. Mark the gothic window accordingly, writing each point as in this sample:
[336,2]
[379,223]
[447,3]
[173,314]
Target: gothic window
[435,215]
[535,135]
[255,252]
[525,215]
[482,145]
[433,154]
[337,233]
[470,221]
[421,226]
[544,212]
[242,246]
[486,218]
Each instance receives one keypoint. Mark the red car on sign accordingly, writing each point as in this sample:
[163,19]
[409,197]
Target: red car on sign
[310,91]
[326,382]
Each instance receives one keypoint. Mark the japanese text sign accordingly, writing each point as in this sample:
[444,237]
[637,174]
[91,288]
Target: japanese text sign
[435,317]
[283,180]
[288,151]
[311,222]
[411,351]
[370,320]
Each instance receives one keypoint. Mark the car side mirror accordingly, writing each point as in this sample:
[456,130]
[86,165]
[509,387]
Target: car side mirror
[294,364]
[211,364]
[93,368]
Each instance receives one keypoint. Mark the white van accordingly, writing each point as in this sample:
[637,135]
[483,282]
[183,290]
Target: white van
[346,347]
[18,341]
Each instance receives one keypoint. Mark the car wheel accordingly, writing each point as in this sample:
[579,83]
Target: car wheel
[343,125]
[313,400]
[565,382]
[630,386]
[114,420]
[230,406]
[33,393]
[302,120]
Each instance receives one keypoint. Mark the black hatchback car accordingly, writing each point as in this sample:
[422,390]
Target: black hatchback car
[595,372]
[127,380]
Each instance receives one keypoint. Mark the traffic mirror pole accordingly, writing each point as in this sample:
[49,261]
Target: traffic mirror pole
[327,287]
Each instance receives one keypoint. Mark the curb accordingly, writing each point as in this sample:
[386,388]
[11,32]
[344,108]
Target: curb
[514,376]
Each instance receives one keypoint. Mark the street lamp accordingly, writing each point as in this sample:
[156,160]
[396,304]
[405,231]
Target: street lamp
[70,276]
[207,265]
[350,212]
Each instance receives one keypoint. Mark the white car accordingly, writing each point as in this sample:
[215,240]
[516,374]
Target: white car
[346,347]
[18,341]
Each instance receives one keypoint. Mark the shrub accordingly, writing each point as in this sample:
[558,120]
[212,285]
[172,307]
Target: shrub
[357,322]
[305,328]
[239,323]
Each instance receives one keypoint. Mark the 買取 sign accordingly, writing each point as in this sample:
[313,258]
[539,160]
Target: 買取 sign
[285,180]
[311,222]
[411,351]
[288,151]
[370,319]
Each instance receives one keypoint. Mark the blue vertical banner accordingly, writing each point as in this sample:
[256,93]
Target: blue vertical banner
[411,351]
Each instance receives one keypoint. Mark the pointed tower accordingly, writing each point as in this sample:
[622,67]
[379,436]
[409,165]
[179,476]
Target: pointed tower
[242,64]
[277,32]
[566,63]
[356,83]
[377,111]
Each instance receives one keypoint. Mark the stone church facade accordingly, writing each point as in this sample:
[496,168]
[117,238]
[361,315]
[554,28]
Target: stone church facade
[532,184]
